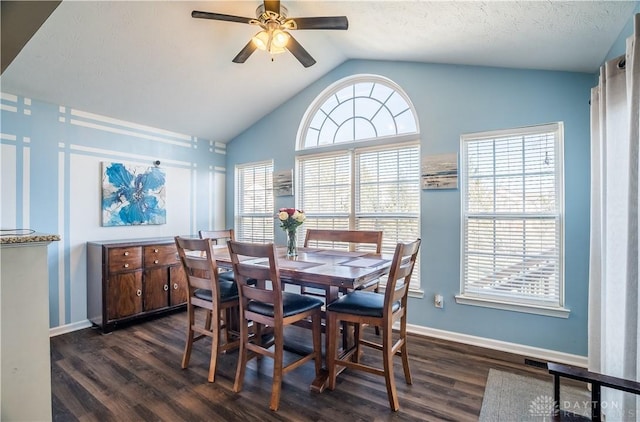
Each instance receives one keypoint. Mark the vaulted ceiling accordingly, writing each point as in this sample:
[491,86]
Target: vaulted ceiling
[149,62]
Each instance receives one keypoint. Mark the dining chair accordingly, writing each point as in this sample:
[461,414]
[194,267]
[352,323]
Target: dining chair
[220,237]
[207,292]
[346,239]
[364,307]
[266,304]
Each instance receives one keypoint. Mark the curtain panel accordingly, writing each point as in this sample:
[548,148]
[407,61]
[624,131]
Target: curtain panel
[614,326]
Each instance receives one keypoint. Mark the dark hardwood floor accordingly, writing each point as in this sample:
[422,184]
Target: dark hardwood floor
[134,374]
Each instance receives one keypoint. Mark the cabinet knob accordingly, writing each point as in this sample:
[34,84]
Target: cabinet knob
[139,293]
[155,250]
[126,253]
[126,265]
[155,261]
[166,287]
[175,286]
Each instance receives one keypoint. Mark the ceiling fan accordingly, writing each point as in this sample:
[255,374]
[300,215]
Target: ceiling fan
[274,36]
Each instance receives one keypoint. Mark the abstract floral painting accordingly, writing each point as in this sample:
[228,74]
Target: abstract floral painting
[132,195]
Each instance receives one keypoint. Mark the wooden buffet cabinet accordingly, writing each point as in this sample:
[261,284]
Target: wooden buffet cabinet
[132,279]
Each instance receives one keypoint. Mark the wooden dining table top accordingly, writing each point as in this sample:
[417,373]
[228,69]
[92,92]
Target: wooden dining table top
[321,267]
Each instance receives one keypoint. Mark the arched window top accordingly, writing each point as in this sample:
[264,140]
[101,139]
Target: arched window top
[357,108]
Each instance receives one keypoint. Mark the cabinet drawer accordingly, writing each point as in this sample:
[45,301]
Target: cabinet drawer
[125,259]
[158,255]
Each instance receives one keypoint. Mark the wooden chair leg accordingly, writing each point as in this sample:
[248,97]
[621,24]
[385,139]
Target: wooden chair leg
[317,341]
[387,358]
[186,356]
[215,343]
[405,356]
[278,363]
[357,335]
[332,348]
[242,355]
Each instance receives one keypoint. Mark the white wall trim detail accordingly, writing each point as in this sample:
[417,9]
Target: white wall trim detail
[144,159]
[62,244]
[131,125]
[26,187]
[503,346]
[68,328]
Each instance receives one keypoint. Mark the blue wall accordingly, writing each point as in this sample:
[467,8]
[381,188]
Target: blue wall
[452,100]
[51,182]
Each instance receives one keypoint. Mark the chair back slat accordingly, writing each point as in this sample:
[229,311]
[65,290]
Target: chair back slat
[218,237]
[268,288]
[323,237]
[404,260]
[199,265]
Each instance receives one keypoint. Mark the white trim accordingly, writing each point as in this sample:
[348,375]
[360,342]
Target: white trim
[516,307]
[131,125]
[26,186]
[68,328]
[503,346]
[9,97]
[126,132]
[8,108]
[62,243]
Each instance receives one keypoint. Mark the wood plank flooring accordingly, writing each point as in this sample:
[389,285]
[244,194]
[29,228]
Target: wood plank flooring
[134,374]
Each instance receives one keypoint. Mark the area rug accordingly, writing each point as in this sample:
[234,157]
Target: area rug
[510,397]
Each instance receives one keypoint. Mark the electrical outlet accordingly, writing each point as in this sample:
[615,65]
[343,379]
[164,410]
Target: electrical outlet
[438,301]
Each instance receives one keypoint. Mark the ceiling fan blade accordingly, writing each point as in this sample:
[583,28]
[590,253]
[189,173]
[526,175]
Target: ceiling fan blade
[244,54]
[299,52]
[220,17]
[322,22]
[272,6]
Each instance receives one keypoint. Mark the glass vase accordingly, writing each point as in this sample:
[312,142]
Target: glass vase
[292,246]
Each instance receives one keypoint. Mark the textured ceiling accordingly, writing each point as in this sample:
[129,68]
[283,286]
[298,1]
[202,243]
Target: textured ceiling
[151,63]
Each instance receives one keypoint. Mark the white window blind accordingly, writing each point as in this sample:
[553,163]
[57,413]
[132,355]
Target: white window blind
[512,216]
[381,193]
[254,202]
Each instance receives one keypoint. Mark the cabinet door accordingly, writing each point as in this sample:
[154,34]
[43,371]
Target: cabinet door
[124,295]
[156,288]
[178,286]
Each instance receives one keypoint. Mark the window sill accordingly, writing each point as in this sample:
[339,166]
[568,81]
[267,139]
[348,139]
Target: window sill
[507,306]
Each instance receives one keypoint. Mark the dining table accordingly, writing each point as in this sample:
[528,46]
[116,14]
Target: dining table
[329,270]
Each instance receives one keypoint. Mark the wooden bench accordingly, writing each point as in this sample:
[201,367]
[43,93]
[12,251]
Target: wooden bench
[596,380]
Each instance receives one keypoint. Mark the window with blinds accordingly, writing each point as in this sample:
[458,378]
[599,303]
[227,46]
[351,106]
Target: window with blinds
[254,202]
[375,186]
[364,189]
[512,210]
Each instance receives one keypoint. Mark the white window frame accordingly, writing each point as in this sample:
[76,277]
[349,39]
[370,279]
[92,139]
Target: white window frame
[267,213]
[500,298]
[351,148]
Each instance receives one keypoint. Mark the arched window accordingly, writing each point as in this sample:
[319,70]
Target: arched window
[357,108]
[358,161]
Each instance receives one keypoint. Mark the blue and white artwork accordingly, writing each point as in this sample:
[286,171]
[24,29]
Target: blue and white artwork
[132,195]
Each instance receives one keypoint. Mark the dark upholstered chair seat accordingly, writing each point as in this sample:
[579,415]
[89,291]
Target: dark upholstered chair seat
[228,291]
[361,303]
[292,303]
[226,275]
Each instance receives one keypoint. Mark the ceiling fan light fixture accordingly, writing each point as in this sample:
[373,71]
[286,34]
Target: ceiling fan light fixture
[261,40]
[280,39]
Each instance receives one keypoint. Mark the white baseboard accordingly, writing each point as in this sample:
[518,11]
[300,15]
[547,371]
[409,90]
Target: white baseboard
[74,326]
[519,349]
[503,346]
